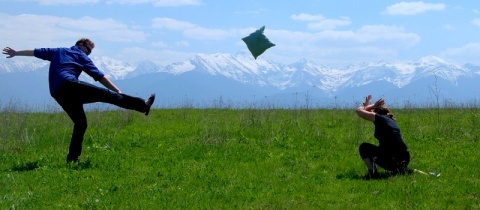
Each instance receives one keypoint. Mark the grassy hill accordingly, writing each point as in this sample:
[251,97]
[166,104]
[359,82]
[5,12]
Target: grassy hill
[235,159]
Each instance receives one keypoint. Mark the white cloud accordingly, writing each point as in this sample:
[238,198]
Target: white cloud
[255,12]
[318,22]
[62,2]
[371,33]
[412,8]
[465,54]
[466,49]
[307,17]
[329,24]
[209,34]
[31,30]
[476,22]
[172,24]
[370,42]
[159,3]
[182,44]
[191,30]
[159,44]
[448,27]
[164,57]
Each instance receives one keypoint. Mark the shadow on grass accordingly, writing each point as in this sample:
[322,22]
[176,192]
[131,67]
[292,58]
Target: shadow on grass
[25,166]
[82,165]
[352,175]
[32,165]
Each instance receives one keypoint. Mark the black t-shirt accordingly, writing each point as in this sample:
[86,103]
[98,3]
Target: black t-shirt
[388,134]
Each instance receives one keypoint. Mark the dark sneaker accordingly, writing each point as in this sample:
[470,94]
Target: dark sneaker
[149,103]
[372,175]
[72,160]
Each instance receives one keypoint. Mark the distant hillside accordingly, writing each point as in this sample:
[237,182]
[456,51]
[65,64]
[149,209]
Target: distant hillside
[209,80]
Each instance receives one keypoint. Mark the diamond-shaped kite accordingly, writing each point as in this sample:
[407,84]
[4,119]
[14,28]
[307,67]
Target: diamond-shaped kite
[257,42]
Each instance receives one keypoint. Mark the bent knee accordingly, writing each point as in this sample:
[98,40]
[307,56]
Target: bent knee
[367,150]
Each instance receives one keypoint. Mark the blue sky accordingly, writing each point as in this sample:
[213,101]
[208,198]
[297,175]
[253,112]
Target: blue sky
[333,33]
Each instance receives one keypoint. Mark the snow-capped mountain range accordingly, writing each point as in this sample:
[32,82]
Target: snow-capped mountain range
[239,80]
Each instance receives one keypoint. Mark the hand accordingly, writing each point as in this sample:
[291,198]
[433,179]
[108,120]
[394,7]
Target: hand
[380,102]
[367,100]
[10,52]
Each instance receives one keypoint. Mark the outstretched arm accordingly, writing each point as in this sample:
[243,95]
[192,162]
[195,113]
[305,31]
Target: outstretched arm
[109,84]
[12,53]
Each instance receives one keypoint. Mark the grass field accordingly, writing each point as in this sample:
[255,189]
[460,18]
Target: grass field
[235,159]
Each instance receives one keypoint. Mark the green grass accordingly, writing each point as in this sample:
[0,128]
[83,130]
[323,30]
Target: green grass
[235,159]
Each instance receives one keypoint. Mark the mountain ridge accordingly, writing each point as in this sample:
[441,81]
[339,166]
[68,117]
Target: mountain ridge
[267,78]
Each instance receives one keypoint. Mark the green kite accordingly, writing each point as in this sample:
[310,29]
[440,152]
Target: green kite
[257,42]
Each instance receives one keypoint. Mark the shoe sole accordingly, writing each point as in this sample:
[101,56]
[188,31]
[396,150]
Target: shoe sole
[151,99]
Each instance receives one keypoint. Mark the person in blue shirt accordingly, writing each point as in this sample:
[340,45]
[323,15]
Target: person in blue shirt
[66,65]
[392,153]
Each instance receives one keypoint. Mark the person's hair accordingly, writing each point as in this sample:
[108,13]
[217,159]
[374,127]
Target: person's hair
[86,41]
[383,110]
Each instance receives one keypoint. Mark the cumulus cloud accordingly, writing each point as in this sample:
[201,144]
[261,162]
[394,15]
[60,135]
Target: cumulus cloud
[329,24]
[156,3]
[369,42]
[318,22]
[465,54]
[182,44]
[476,22]
[62,2]
[172,24]
[307,17]
[159,44]
[371,33]
[54,30]
[161,57]
[466,49]
[193,31]
[448,27]
[413,8]
[368,34]
[159,3]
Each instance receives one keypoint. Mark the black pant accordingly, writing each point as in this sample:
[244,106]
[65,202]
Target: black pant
[396,161]
[73,94]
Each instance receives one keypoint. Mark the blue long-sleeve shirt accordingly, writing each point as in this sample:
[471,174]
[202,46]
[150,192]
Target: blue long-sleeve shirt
[66,64]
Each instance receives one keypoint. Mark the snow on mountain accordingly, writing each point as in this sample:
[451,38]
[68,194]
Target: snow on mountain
[244,69]
[396,74]
[238,68]
[435,66]
[323,77]
[10,65]
[475,69]
[401,74]
[112,68]
[142,67]
[239,73]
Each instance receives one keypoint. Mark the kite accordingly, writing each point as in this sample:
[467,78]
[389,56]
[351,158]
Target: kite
[257,42]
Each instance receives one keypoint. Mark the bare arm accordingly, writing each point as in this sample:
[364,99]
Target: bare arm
[12,53]
[109,84]
[366,112]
